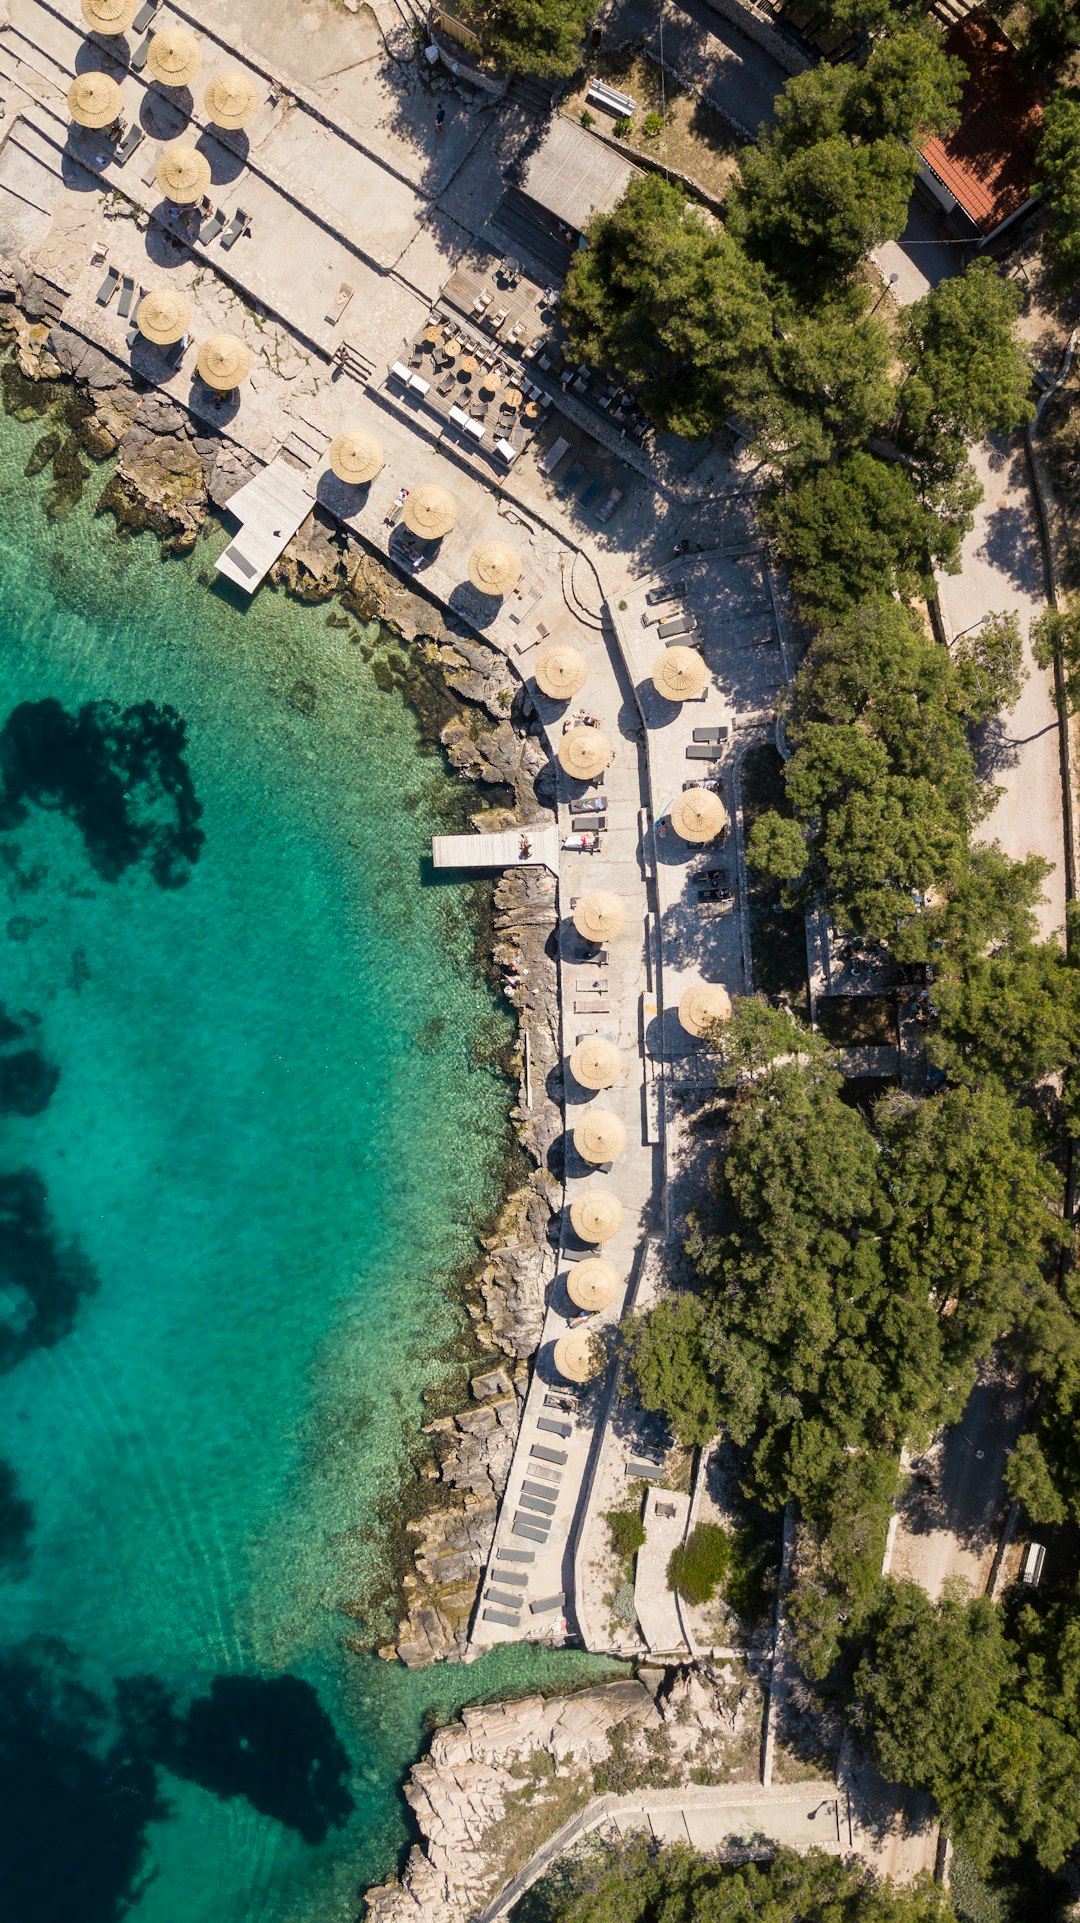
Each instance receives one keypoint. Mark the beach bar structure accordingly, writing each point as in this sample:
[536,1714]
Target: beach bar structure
[270,509]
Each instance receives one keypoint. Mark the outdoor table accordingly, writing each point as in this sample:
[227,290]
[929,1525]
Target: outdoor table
[513,397]
[468,363]
[432,334]
[532,409]
[492,381]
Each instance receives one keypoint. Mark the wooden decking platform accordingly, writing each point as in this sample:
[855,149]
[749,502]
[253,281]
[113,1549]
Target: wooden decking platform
[270,508]
[498,851]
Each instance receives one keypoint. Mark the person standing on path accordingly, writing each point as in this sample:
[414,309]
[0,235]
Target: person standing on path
[440,118]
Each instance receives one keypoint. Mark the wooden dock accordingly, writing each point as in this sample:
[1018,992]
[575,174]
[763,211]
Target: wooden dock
[270,508]
[498,851]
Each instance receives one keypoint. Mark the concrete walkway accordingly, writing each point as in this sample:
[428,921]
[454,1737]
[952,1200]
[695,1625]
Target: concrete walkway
[730,1819]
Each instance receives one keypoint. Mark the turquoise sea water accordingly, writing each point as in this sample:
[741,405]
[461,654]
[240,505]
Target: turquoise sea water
[252,1116]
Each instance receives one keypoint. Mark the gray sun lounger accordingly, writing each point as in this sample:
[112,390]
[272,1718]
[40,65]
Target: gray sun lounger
[554,1428]
[710,734]
[503,1601]
[108,287]
[500,1616]
[211,227]
[238,225]
[515,1555]
[131,140]
[648,1471]
[138,58]
[679,624]
[548,1603]
[547,1455]
[542,1507]
[527,1529]
[507,1575]
[701,751]
[127,291]
[657,596]
[144,16]
[545,1490]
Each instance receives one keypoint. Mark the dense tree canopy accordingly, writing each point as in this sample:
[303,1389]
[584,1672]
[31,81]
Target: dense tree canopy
[853,531]
[986,1720]
[814,214]
[855,1273]
[667,298]
[881,776]
[542,37]
[988,667]
[1059,178]
[966,371]
[634,1882]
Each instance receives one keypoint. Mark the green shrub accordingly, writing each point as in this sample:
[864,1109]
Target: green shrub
[700,1565]
[587,119]
[654,124]
[627,1532]
[622,1604]
[622,127]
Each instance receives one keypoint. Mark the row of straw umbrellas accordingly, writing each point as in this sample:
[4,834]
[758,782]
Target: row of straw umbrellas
[173,58]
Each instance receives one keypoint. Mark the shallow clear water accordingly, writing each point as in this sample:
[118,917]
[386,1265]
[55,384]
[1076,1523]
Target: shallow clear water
[253,1116]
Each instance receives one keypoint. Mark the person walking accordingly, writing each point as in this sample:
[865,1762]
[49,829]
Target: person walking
[440,118]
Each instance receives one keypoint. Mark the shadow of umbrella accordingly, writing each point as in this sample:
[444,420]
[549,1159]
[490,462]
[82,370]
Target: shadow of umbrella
[217,409]
[226,164]
[165,116]
[97,56]
[341,497]
[479,610]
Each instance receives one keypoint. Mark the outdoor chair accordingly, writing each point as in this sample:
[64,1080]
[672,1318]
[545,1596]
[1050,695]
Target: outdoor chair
[212,227]
[144,16]
[445,385]
[127,289]
[108,287]
[138,58]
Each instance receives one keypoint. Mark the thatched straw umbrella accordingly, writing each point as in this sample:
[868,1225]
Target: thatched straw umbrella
[430,512]
[231,100]
[576,1357]
[174,57]
[599,1137]
[595,1215]
[163,316]
[493,568]
[584,753]
[599,915]
[560,672]
[595,1063]
[94,100]
[109,16]
[355,457]
[679,674]
[698,814]
[223,362]
[592,1284]
[704,1008]
[183,174]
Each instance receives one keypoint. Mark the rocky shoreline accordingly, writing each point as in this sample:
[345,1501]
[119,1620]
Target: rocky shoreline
[168,478]
[495,1785]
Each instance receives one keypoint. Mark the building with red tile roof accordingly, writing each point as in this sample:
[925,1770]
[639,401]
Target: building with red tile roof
[987,166]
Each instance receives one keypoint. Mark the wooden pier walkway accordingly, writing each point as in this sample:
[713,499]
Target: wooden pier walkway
[270,508]
[499,851]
